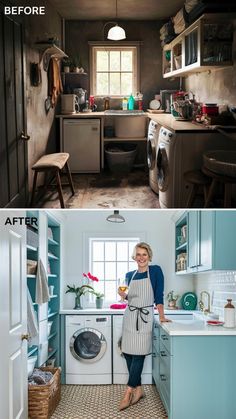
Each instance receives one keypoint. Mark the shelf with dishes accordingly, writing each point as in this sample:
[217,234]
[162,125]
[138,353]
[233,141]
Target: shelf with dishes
[181,245]
[205,45]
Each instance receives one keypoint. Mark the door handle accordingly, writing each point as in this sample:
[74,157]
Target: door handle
[25,336]
[24,136]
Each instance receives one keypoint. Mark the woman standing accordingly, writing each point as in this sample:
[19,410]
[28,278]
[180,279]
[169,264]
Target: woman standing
[146,286]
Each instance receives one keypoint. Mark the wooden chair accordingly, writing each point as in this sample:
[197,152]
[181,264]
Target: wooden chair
[53,164]
[198,181]
[217,178]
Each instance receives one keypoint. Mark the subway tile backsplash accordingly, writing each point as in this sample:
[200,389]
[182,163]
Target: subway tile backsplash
[221,285]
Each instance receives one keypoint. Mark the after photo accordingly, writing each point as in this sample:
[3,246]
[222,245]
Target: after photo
[118,314]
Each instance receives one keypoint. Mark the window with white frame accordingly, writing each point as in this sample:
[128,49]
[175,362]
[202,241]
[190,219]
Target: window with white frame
[110,259]
[114,70]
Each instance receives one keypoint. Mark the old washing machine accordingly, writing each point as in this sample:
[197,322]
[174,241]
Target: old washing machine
[120,372]
[88,349]
[152,143]
[178,152]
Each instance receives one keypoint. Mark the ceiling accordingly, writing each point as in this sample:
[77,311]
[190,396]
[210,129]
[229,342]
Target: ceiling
[126,9]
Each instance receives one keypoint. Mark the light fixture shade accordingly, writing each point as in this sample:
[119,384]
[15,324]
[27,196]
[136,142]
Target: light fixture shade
[115,217]
[116,33]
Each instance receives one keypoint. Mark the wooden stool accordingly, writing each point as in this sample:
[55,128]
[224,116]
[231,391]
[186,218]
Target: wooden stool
[227,181]
[196,179]
[53,163]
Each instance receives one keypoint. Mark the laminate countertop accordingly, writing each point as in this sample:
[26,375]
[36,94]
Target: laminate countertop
[196,328]
[118,311]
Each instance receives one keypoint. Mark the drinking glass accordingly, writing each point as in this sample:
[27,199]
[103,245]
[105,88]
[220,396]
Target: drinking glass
[123,287]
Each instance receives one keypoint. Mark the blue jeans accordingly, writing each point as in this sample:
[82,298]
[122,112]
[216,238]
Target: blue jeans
[135,367]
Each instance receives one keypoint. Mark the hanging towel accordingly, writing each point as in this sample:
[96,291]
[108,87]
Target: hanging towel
[32,324]
[42,291]
[54,81]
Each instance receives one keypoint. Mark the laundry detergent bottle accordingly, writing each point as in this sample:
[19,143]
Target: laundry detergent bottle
[131,102]
[229,314]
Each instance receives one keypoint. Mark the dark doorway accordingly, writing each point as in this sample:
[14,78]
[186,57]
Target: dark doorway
[13,140]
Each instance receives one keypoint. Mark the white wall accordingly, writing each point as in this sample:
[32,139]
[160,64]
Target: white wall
[157,227]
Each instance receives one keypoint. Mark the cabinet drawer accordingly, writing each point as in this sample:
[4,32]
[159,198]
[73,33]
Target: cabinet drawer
[156,368]
[165,383]
[164,353]
[165,340]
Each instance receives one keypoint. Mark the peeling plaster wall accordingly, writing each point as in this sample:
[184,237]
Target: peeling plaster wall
[78,33]
[40,127]
[217,86]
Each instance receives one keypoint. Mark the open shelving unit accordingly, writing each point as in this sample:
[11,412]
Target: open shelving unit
[181,245]
[53,254]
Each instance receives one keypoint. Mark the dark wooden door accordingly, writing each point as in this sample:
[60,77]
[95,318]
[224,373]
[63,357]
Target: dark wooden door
[13,145]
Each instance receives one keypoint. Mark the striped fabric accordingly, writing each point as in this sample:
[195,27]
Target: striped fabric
[138,342]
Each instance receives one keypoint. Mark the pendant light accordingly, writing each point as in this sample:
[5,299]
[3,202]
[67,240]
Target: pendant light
[116,33]
[115,217]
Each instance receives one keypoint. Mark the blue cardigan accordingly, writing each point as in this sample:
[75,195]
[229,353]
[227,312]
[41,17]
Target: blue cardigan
[157,281]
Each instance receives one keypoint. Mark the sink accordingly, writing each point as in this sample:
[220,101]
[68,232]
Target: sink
[129,124]
[124,113]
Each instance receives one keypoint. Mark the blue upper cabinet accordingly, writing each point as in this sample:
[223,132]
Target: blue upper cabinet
[211,240]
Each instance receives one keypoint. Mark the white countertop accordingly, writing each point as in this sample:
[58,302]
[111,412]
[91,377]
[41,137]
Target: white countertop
[116,311]
[196,328]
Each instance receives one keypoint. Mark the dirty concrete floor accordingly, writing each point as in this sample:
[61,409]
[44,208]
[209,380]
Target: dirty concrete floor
[104,190]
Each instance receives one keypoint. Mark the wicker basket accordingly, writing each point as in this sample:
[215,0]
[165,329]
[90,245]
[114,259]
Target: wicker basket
[43,399]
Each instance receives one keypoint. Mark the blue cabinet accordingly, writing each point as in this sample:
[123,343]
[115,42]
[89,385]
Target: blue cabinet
[211,240]
[196,376]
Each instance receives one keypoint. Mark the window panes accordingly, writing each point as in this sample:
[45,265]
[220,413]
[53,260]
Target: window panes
[115,71]
[126,60]
[114,60]
[98,251]
[110,260]
[114,84]
[102,60]
[122,250]
[110,270]
[126,83]
[102,84]
[110,251]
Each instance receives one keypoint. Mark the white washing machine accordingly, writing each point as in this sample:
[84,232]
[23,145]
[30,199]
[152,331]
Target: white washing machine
[120,372]
[177,153]
[88,349]
[152,143]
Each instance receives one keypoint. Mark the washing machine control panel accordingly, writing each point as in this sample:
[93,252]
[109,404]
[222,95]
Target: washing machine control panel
[165,135]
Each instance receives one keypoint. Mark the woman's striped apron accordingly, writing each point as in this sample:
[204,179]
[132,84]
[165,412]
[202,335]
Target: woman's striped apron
[138,317]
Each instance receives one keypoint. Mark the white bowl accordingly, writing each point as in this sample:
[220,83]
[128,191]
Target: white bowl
[31,363]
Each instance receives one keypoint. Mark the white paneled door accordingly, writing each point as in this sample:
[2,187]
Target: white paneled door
[13,318]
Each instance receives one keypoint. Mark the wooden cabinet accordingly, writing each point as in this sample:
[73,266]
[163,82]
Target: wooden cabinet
[47,249]
[211,241]
[204,45]
[189,375]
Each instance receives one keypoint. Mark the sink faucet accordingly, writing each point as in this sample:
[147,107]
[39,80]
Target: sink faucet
[201,303]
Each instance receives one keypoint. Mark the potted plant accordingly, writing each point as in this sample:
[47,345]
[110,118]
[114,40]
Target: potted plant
[76,64]
[99,299]
[78,291]
[172,299]
[66,62]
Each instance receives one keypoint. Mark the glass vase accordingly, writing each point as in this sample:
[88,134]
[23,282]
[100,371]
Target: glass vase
[78,305]
[99,302]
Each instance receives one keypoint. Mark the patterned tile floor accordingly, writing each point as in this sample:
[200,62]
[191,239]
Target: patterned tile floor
[102,401]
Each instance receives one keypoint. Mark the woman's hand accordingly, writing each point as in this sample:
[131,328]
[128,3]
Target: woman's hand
[122,294]
[164,319]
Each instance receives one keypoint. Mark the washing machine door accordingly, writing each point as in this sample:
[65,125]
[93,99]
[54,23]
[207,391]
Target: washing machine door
[151,152]
[162,168]
[88,345]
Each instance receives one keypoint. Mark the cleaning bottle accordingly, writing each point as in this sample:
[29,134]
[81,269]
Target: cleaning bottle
[131,102]
[125,104]
[229,314]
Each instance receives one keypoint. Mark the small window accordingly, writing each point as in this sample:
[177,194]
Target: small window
[109,260]
[114,70]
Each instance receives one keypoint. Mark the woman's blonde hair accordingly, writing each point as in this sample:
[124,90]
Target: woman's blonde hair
[145,246]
